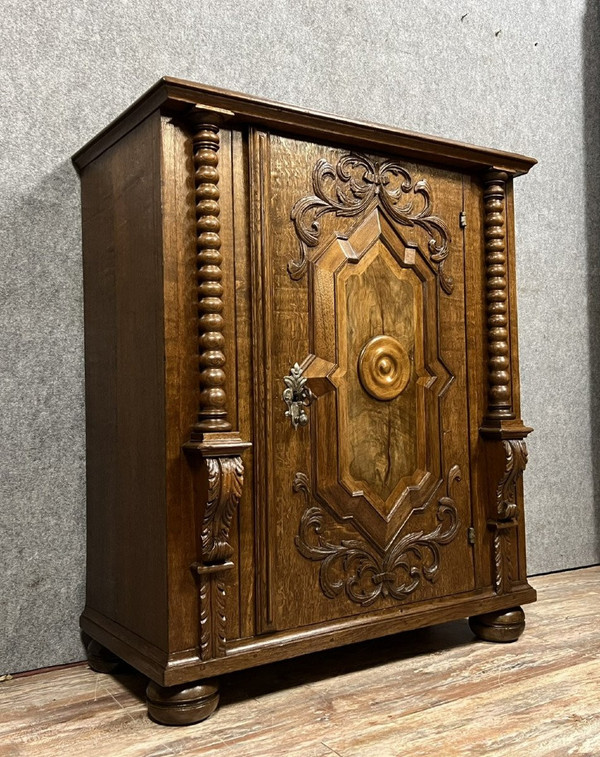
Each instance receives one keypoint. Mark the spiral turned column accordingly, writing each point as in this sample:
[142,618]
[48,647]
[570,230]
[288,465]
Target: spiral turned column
[212,415]
[499,405]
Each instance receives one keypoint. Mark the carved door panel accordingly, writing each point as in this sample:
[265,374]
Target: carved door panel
[363,481]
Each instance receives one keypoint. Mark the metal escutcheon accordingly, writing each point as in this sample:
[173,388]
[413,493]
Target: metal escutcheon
[297,396]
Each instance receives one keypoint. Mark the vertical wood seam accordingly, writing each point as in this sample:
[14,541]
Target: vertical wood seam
[261,373]
[463,229]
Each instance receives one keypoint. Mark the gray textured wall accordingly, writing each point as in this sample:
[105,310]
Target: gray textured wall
[513,75]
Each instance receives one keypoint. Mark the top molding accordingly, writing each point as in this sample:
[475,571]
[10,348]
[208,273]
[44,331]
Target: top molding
[175,96]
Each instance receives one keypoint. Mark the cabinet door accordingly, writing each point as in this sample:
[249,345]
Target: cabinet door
[362,481]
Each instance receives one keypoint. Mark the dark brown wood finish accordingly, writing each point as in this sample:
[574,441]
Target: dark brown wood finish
[302,388]
[125,386]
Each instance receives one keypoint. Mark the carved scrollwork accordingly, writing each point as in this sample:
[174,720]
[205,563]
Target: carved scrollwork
[506,494]
[362,572]
[350,187]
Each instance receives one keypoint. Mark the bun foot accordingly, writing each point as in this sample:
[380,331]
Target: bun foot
[501,626]
[182,705]
[101,659]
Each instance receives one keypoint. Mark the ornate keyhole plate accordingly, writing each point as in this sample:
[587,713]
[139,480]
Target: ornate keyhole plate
[384,368]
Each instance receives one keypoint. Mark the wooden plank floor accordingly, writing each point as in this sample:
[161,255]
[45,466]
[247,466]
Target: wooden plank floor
[434,691]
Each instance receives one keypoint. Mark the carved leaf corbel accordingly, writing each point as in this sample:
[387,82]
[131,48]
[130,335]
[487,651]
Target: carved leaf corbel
[503,527]
[515,451]
[225,481]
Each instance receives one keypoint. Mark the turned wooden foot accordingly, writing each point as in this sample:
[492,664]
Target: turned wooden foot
[182,705]
[502,626]
[101,659]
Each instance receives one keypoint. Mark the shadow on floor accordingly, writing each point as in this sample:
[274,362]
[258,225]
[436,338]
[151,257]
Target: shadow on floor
[333,663]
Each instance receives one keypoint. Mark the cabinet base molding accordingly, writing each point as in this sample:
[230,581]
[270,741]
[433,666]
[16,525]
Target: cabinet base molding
[182,705]
[501,626]
[181,667]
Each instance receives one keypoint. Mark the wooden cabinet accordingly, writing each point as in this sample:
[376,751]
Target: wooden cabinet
[303,422]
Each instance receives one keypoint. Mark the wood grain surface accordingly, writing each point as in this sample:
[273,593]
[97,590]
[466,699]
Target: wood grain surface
[425,692]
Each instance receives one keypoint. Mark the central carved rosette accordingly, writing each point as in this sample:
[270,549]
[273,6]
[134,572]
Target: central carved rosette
[384,367]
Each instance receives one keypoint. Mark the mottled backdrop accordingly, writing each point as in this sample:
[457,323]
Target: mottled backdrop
[515,75]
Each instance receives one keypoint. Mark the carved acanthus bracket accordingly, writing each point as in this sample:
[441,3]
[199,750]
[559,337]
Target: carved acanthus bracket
[349,187]
[506,520]
[506,494]
[361,571]
[218,485]
[225,481]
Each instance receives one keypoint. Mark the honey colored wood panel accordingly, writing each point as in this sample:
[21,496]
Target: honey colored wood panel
[433,691]
[306,315]
[382,439]
[125,419]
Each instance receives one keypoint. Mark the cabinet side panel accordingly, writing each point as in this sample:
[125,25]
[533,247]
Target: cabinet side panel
[514,348]
[122,252]
[181,374]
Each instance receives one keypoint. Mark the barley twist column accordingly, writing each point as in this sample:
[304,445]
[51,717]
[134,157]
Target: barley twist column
[212,415]
[499,405]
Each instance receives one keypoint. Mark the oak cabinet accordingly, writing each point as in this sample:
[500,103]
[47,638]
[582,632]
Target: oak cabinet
[303,421]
